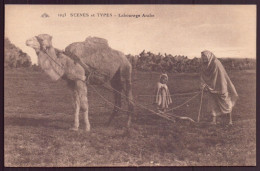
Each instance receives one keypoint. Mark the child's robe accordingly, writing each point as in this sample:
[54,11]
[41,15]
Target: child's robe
[163,97]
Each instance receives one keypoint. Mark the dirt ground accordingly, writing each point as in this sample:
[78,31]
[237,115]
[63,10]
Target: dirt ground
[39,113]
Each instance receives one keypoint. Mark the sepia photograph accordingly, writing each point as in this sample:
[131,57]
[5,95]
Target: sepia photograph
[129,85]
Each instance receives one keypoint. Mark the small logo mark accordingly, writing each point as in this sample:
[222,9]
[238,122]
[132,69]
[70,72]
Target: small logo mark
[44,15]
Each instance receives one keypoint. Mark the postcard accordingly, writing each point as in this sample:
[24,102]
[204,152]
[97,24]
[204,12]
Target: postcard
[129,85]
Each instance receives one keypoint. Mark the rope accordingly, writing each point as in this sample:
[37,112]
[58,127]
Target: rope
[54,62]
[176,94]
[106,99]
[119,108]
[152,111]
[182,117]
[53,59]
[87,81]
[62,66]
[183,103]
[197,93]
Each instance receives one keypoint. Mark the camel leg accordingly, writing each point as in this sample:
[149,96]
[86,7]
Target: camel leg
[130,102]
[82,88]
[117,97]
[117,86]
[230,119]
[86,119]
[76,112]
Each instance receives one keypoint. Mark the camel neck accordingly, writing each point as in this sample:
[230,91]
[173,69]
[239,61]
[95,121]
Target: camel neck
[51,52]
[50,63]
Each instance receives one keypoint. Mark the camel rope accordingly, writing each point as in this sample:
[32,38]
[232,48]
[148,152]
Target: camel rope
[119,108]
[63,67]
[54,62]
[175,94]
[197,93]
[183,103]
[152,111]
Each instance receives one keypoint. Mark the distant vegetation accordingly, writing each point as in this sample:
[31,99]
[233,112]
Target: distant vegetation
[15,57]
[145,61]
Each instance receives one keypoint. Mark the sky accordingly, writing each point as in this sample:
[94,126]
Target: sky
[226,30]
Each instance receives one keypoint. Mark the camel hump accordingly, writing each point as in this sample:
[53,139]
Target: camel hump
[96,52]
[91,45]
[96,41]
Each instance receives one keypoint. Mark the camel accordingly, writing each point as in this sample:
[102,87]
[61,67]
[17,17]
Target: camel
[90,58]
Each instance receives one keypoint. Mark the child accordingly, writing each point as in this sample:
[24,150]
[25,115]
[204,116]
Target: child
[162,94]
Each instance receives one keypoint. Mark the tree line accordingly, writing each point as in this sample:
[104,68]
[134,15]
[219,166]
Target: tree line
[14,56]
[148,61]
[145,61]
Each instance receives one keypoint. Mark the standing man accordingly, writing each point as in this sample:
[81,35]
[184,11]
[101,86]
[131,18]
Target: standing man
[215,80]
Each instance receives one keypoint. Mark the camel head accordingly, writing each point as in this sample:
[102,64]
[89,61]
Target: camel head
[45,41]
[40,42]
[33,43]
[47,57]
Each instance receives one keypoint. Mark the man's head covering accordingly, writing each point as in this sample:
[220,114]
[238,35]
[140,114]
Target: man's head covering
[209,56]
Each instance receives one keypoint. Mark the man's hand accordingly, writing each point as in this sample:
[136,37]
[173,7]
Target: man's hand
[203,86]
